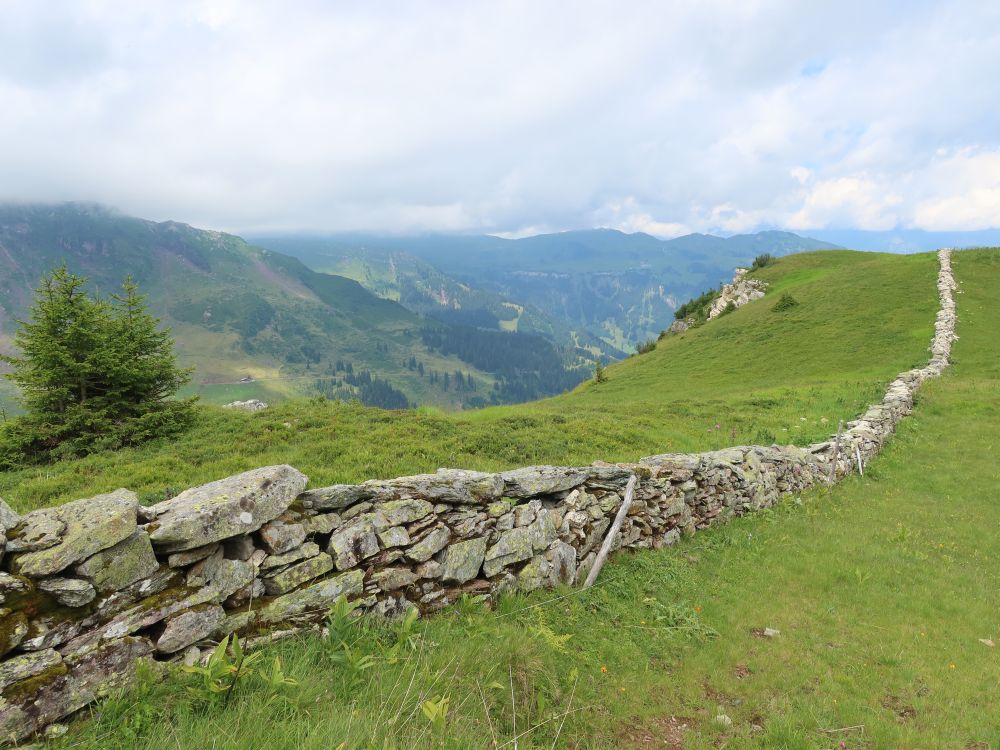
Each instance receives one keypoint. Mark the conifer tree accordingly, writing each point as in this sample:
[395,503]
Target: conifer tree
[93,374]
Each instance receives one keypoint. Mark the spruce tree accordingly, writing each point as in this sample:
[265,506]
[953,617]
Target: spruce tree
[93,374]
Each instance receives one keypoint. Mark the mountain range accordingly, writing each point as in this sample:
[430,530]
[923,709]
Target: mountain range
[453,321]
[600,289]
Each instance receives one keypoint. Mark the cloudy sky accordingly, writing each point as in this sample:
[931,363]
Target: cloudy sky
[507,116]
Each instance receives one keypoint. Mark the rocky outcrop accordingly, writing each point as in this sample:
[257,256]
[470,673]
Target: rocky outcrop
[92,587]
[737,294]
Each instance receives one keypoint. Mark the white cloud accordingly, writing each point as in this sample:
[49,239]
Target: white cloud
[651,116]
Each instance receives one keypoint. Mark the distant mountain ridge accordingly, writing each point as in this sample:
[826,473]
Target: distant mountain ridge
[620,288]
[240,311]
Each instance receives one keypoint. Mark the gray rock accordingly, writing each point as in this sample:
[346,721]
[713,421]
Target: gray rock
[391,579]
[395,536]
[322,524]
[543,480]
[8,518]
[563,559]
[246,594]
[189,627]
[513,546]
[91,525]
[445,486]
[13,629]
[70,592]
[298,574]
[280,536]
[72,685]
[463,560]
[253,405]
[113,569]
[36,532]
[229,507]
[429,545]
[275,562]
[229,576]
[430,569]
[191,556]
[334,497]
[23,666]
[203,572]
[12,585]
[398,512]
[352,544]
[316,598]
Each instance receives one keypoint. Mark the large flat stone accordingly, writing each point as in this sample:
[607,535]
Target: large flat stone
[313,600]
[117,567]
[190,627]
[230,507]
[91,525]
[298,574]
[68,686]
[23,666]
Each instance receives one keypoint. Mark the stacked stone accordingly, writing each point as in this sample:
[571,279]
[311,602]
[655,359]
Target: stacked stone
[91,588]
[741,291]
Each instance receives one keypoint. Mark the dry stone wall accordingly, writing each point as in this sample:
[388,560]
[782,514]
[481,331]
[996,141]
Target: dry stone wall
[91,588]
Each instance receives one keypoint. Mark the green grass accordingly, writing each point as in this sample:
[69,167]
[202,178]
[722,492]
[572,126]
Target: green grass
[754,376]
[881,588]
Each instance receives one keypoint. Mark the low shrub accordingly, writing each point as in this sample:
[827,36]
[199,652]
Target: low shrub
[787,302]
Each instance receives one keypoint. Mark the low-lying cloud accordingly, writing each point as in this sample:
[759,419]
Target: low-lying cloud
[511,117]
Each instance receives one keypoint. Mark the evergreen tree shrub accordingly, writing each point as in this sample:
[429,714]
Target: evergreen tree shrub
[93,374]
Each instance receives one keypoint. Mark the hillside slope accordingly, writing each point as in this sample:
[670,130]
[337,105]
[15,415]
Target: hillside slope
[754,376]
[238,310]
[620,288]
[882,592]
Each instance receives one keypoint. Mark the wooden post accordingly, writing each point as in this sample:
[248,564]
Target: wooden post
[610,538]
[861,467]
[836,453]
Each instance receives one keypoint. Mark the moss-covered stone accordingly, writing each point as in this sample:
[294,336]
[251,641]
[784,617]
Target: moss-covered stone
[229,507]
[91,525]
[113,569]
[463,560]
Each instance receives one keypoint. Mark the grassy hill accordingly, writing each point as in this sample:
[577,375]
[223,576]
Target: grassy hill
[620,288]
[754,376]
[237,310]
[882,587]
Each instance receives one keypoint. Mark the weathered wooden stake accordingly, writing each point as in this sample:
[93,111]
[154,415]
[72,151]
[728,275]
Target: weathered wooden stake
[836,453]
[610,538]
[861,467]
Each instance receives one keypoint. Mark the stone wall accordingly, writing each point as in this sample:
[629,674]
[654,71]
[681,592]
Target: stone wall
[91,588]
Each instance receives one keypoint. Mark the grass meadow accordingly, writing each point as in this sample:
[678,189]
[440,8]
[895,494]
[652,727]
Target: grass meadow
[884,590]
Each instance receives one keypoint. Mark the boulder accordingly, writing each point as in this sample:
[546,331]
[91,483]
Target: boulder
[89,526]
[252,405]
[116,567]
[228,507]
